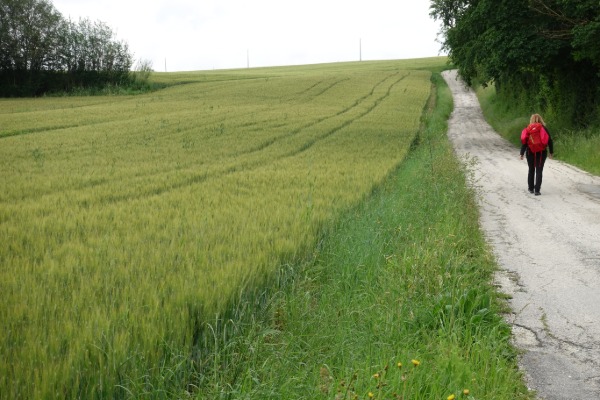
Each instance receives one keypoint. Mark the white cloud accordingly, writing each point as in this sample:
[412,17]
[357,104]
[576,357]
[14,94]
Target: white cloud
[207,34]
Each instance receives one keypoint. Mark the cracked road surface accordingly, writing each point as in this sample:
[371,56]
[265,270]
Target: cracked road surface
[548,250]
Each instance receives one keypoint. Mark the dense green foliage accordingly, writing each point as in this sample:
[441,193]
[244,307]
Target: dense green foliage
[541,54]
[40,51]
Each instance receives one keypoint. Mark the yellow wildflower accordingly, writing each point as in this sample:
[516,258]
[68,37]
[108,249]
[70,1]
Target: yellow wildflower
[399,365]
[416,363]
[371,395]
[451,397]
[466,392]
[376,376]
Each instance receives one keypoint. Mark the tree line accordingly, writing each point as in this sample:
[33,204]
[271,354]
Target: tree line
[541,55]
[41,51]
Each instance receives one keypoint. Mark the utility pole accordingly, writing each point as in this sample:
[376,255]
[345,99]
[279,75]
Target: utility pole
[360,49]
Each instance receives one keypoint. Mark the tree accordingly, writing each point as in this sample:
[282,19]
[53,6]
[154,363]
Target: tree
[489,39]
[578,22]
[540,53]
[92,56]
[28,34]
[40,51]
[90,46]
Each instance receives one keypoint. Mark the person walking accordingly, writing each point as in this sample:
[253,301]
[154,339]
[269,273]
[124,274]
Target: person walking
[536,141]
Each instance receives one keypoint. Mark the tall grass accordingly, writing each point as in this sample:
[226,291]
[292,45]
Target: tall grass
[577,146]
[397,303]
[128,223]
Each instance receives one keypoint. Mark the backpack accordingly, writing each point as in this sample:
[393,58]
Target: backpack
[536,137]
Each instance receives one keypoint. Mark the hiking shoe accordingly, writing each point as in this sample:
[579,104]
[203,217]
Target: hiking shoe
[537,193]
[530,190]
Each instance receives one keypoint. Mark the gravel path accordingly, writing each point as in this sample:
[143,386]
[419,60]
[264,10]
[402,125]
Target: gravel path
[548,249]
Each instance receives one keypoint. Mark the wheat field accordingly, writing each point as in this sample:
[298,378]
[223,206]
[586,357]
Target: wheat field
[126,222]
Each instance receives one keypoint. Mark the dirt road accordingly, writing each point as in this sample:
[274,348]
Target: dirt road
[548,249]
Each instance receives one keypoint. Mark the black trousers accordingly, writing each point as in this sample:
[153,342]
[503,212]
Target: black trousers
[536,161]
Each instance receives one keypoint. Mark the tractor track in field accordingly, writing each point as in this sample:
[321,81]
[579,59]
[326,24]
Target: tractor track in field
[548,251]
[253,164]
[232,164]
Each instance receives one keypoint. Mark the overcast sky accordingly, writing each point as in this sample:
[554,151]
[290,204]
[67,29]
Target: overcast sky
[215,34]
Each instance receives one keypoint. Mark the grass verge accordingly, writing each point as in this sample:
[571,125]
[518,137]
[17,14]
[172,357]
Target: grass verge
[397,302]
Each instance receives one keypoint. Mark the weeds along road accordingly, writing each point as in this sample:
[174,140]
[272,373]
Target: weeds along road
[548,249]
